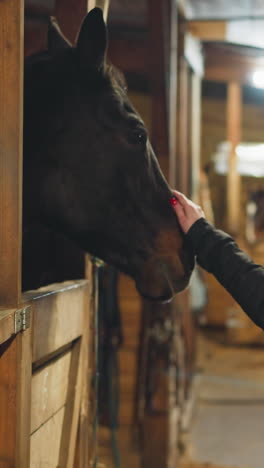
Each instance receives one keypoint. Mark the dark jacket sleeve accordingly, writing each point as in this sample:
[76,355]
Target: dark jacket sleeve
[218,253]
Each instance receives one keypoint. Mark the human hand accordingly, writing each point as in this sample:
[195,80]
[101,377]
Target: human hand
[187,211]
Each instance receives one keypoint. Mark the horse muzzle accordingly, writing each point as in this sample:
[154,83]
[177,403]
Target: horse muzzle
[159,279]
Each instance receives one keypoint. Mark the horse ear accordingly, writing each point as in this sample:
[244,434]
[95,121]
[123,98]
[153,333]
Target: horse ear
[56,40]
[92,40]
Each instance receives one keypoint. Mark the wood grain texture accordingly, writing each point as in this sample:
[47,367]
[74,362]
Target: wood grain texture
[15,375]
[72,409]
[11,76]
[49,390]
[45,443]
[6,324]
[82,447]
[58,316]
[23,399]
[8,383]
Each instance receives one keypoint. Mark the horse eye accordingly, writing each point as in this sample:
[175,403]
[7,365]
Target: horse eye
[139,137]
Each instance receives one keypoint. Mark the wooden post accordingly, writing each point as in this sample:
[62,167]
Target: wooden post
[195,134]
[234,105]
[11,77]
[183,129]
[157,46]
[15,353]
[173,94]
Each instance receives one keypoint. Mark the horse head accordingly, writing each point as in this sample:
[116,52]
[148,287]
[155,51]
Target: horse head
[89,168]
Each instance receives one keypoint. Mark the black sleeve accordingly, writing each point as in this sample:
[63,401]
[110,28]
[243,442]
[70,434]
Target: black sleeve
[218,253]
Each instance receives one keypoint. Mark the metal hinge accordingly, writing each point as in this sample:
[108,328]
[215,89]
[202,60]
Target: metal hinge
[22,319]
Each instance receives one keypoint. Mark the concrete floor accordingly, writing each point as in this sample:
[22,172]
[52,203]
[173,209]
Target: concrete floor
[227,429]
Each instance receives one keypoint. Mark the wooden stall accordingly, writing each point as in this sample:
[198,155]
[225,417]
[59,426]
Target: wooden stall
[47,336]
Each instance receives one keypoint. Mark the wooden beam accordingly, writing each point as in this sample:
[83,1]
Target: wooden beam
[208,30]
[231,63]
[234,111]
[11,123]
[156,61]
[58,315]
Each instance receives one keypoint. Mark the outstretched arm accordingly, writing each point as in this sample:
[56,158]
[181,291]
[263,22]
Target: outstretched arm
[218,253]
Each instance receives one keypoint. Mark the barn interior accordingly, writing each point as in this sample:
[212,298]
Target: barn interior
[124,382]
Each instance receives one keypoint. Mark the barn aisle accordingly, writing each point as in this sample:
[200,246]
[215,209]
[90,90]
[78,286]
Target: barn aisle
[228,423]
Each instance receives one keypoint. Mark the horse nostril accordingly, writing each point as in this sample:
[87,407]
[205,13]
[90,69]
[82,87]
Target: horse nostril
[164,298]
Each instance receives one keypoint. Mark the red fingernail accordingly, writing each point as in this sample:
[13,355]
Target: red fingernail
[173,201]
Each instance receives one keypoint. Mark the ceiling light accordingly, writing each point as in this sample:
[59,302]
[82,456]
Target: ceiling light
[258,79]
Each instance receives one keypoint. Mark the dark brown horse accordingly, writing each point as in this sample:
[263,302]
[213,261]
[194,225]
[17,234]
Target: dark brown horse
[90,173]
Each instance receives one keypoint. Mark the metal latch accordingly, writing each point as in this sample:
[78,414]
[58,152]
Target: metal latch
[22,319]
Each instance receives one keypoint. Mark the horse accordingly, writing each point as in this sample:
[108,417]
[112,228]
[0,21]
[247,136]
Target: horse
[90,174]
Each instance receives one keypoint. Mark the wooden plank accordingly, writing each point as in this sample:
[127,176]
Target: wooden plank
[87,446]
[58,316]
[84,414]
[196,100]
[8,382]
[11,76]
[208,30]
[71,415]
[173,83]
[15,375]
[6,324]
[49,390]
[182,180]
[45,443]
[23,388]
[234,110]
[155,453]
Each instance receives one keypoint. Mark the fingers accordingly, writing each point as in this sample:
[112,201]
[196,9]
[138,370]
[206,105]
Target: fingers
[179,210]
[181,198]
